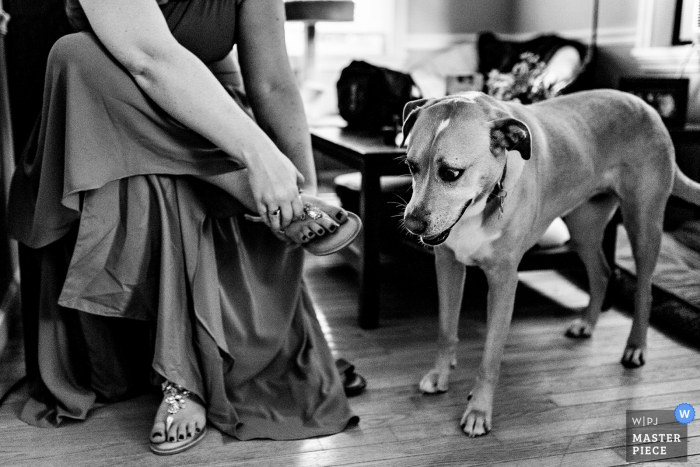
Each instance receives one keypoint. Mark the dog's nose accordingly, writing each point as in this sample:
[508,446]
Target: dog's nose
[415,223]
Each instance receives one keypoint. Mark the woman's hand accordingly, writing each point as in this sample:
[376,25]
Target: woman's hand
[275,182]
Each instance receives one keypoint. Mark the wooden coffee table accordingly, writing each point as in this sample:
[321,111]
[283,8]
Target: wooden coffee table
[367,153]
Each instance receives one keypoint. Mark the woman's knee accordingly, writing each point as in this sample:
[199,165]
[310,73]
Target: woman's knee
[82,57]
[79,50]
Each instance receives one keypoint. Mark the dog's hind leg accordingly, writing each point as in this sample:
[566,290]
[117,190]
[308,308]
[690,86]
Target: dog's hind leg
[451,275]
[643,222]
[587,226]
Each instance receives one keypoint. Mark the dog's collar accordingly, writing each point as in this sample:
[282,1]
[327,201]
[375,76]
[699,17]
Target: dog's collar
[498,192]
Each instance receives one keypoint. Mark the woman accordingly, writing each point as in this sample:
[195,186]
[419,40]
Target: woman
[133,196]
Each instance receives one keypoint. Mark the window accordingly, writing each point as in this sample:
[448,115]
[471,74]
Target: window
[371,35]
[685,19]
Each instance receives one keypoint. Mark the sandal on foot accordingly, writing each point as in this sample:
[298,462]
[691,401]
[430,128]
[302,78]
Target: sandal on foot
[335,241]
[332,242]
[167,448]
[175,397]
[353,383]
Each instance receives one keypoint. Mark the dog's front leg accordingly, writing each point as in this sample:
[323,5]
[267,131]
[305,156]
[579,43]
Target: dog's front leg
[450,276]
[502,281]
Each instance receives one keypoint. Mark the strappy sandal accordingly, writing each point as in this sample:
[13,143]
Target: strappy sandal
[176,397]
[331,242]
[353,383]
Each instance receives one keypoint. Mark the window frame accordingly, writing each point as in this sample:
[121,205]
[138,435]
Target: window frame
[677,22]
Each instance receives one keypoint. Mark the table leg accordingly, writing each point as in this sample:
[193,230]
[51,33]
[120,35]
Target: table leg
[370,212]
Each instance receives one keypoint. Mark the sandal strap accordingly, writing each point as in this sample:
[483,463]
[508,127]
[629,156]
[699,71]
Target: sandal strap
[175,396]
[314,212]
[344,367]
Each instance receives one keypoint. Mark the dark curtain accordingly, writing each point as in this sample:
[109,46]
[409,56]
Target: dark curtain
[34,27]
[6,166]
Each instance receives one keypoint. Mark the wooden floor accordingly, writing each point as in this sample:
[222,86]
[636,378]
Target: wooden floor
[560,402]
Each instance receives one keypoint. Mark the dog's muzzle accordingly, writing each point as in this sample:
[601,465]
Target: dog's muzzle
[442,236]
[436,239]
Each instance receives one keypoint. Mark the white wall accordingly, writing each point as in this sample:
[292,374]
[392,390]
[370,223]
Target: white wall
[458,17]
[634,36]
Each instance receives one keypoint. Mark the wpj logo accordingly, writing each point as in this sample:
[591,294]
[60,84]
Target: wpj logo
[658,434]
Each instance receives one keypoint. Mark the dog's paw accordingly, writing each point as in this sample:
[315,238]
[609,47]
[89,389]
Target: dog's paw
[475,422]
[633,357]
[579,329]
[435,382]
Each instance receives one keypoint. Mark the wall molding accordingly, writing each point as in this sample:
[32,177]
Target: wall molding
[437,41]
[668,60]
[645,23]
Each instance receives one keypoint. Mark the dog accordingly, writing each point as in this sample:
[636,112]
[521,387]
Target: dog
[490,176]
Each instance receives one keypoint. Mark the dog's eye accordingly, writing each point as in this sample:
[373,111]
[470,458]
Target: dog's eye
[449,175]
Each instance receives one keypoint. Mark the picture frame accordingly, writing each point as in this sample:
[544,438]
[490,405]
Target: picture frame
[669,96]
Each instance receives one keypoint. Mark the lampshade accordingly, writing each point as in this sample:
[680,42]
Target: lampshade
[326,10]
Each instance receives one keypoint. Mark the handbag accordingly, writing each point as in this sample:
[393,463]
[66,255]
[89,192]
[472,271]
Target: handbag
[371,97]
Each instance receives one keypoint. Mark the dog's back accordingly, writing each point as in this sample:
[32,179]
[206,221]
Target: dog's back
[604,140]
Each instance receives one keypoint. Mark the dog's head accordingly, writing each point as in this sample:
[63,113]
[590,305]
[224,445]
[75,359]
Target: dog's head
[457,150]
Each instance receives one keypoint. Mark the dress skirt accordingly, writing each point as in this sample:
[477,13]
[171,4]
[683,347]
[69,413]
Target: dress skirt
[146,270]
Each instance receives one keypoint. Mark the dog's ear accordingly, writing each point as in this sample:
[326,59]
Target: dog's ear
[512,135]
[410,113]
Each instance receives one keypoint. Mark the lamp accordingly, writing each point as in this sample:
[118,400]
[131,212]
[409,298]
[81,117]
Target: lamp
[311,12]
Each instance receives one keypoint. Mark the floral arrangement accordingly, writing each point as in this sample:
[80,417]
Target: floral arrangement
[523,84]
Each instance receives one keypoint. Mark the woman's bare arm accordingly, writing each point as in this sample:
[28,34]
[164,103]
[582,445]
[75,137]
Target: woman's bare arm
[270,83]
[136,34]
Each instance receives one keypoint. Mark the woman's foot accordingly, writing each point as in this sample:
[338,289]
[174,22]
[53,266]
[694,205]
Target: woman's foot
[321,218]
[180,417]
[324,229]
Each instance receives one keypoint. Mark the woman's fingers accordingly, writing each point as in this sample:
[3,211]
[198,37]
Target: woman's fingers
[287,215]
[275,187]
[300,180]
[298,208]
[274,220]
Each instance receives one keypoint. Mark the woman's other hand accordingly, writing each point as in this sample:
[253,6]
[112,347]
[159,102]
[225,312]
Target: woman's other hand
[270,84]
[274,182]
[136,34]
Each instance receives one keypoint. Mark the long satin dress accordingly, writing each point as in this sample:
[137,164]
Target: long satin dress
[141,271]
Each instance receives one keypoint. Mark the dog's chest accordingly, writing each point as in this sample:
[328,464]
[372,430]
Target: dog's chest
[470,241]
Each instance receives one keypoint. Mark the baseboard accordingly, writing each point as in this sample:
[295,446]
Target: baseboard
[8,311]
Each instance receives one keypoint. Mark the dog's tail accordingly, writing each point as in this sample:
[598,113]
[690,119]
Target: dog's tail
[685,188]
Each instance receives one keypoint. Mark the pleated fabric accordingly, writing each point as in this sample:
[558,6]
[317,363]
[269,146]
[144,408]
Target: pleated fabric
[140,271]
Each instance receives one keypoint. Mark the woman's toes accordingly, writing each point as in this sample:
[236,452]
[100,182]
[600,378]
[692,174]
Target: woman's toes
[336,213]
[172,432]
[190,429]
[158,433]
[308,233]
[295,232]
[327,223]
[181,432]
[317,228]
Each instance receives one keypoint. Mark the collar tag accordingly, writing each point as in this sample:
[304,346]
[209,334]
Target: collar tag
[501,200]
